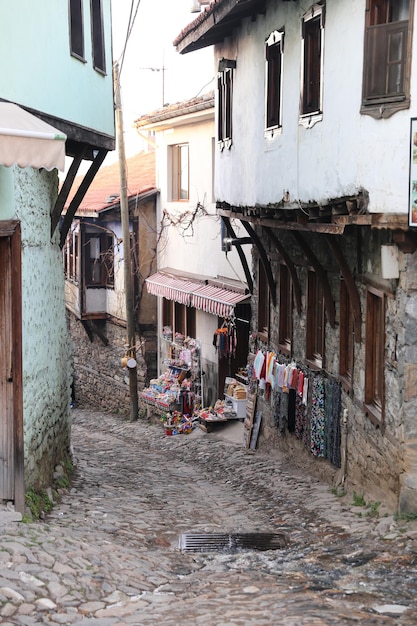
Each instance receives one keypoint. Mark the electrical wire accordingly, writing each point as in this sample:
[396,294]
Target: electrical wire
[132,18]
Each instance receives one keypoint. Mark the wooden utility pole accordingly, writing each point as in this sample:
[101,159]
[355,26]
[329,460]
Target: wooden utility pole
[127,259]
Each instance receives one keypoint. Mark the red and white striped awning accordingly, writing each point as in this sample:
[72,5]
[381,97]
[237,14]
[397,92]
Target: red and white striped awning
[209,298]
[170,287]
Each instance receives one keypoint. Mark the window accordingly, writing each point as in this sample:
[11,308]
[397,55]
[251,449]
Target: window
[285,310]
[180,172]
[263,303]
[315,321]
[225,97]
[98,260]
[179,318]
[97,36]
[386,56]
[274,47]
[76,28]
[375,355]
[346,337]
[70,255]
[312,63]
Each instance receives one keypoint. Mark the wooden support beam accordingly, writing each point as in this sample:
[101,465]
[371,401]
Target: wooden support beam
[350,285]
[321,274]
[240,252]
[264,260]
[291,267]
[65,189]
[82,190]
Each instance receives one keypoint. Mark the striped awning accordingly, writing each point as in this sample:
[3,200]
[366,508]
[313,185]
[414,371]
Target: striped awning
[198,294]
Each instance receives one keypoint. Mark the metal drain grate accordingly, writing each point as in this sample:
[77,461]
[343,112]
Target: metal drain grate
[221,542]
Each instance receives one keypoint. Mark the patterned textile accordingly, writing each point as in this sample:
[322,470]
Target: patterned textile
[300,418]
[332,413]
[276,407]
[317,418]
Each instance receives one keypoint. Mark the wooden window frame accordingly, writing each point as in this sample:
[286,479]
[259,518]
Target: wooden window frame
[263,304]
[104,260]
[311,107]
[97,36]
[180,161]
[286,307]
[346,339]
[374,399]
[179,317]
[382,27]
[224,108]
[274,51]
[70,254]
[316,322]
[76,29]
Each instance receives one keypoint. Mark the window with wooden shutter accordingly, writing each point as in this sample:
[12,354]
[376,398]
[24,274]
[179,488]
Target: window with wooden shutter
[274,47]
[312,64]
[387,53]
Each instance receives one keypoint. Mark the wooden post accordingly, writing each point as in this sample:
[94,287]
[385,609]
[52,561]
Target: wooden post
[127,260]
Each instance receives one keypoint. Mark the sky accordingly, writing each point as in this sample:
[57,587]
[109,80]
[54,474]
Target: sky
[157,24]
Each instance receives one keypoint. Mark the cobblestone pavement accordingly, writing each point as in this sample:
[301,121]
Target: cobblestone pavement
[108,554]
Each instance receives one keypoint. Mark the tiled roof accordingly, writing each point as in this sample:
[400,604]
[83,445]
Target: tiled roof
[185,107]
[104,191]
[205,13]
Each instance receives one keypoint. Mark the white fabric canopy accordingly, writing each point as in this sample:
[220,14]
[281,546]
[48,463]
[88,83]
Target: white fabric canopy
[27,141]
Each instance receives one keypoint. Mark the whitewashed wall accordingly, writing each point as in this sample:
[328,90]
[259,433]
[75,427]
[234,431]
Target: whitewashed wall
[197,250]
[357,154]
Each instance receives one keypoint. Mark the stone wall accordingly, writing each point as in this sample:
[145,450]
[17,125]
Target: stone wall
[100,381]
[375,455]
[46,364]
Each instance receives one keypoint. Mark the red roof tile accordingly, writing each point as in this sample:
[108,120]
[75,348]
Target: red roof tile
[140,173]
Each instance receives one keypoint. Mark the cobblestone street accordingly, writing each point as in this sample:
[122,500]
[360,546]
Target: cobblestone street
[108,554]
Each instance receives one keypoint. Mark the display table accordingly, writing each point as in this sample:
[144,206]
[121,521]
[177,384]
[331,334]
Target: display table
[239,406]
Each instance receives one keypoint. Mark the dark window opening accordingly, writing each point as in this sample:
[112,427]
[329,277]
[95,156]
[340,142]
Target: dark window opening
[346,338]
[285,323]
[312,62]
[315,321]
[76,28]
[99,260]
[97,32]
[375,355]
[225,93]
[273,52]
[263,303]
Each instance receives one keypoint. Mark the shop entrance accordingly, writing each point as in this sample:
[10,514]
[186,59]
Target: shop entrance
[230,364]
[11,403]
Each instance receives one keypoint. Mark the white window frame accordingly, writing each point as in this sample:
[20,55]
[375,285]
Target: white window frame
[308,120]
[276,38]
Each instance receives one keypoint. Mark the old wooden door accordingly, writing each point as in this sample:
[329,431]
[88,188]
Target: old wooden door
[11,405]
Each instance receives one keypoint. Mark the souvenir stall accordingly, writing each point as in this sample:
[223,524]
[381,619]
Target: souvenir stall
[233,407]
[175,394]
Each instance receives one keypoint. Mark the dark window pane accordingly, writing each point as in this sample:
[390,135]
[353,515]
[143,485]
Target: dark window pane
[76,28]
[312,66]
[97,35]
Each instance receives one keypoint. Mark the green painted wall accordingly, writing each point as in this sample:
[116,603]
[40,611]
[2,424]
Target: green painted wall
[28,195]
[39,71]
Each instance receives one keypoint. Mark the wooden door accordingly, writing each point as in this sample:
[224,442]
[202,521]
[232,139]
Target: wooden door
[11,404]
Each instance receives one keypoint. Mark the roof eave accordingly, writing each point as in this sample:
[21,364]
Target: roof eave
[216,23]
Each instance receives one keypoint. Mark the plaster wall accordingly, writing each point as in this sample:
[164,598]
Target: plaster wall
[40,40]
[188,243]
[46,363]
[357,153]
